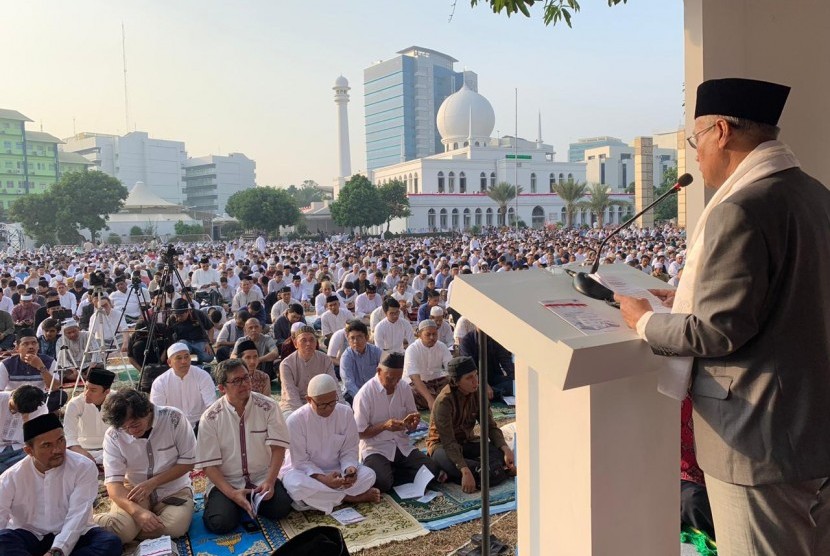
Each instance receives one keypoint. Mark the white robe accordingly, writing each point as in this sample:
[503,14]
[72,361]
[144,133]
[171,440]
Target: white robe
[323,445]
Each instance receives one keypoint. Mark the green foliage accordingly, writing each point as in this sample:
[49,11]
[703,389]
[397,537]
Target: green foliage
[231,230]
[502,193]
[136,231]
[309,192]
[600,201]
[554,11]
[667,210]
[183,229]
[570,192]
[359,204]
[263,208]
[114,239]
[394,199]
[80,200]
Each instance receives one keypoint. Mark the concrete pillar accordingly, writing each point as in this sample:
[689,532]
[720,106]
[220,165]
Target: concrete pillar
[763,39]
[643,179]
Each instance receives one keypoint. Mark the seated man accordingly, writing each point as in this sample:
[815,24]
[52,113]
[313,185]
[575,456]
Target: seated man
[384,410]
[231,331]
[433,299]
[183,386]
[425,365]
[335,317]
[27,367]
[265,345]
[83,422]
[501,371]
[241,448]
[46,506]
[149,452]
[260,381]
[285,300]
[325,470]
[191,327]
[367,302]
[359,362]
[17,407]
[6,330]
[445,336]
[393,333]
[299,368]
[106,323]
[451,442]
[48,338]
[76,341]
[282,325]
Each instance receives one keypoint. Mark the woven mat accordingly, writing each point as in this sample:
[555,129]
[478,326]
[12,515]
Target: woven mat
[385,522]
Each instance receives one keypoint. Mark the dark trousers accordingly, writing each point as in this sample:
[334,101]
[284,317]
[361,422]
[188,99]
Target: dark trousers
[401,471]
[694,508]
[222,515]
[7,343]
[472,455]
[95,542]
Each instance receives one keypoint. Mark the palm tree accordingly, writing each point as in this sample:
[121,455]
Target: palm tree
[600,201]
[502,193]
[570,192]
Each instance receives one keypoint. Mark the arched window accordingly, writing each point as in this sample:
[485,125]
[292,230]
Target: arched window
[533,183]
[451,182]
[466,144]
[478,217]
[492,179]
[537,219]
[415,184]
[489,218]
[443,217]
[561,178]
[477,144]
[570,177]
[563,215]
[466,218]
[454,219]
[552,181]
[440,182]
[511,216]
[483,183]
[431,219]
[409,183]
[462,183]
[455,145]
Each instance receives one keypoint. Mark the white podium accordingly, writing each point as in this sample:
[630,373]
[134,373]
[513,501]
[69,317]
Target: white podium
[598,447]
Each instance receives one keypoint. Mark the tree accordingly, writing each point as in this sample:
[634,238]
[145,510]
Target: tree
[359,204]
[554,10]
[183,229]
[394,199]
[667,210]
[263,208]
[502,193]
[309,192]
[600,201]
[570,192]
[136,231]
[80,200]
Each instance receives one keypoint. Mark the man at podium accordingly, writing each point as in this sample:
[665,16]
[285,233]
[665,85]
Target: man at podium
[749,328]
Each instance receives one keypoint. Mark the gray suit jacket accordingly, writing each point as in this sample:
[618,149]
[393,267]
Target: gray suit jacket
[760,334]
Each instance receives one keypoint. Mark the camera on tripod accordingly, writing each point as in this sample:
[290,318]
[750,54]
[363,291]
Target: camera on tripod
[169,256]
[97,279]
[135,279]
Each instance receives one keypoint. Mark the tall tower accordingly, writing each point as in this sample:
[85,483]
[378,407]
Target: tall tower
[341,99]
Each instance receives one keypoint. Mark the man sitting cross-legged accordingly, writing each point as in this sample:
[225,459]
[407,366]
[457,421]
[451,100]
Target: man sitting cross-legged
[83,421]
[17,407]
[242,443]
[325,470]
[46,501]
[384,409]
[425,364]
[149,451]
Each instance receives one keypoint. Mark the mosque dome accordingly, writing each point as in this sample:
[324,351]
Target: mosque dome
[341,82]
[454,118]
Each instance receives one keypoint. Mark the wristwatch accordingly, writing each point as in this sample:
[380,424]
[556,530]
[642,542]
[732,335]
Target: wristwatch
[56,552]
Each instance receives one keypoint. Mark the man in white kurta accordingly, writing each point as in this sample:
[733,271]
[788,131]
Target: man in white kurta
[47,498]
[241,447]
[183,386]
[393,333]
[325,470]
[425,365]
[149,452]
[83,421]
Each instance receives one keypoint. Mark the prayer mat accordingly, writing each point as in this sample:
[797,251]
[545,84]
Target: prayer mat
[701,541]
[501,411]
[385,522]
[455,506]
[200,542]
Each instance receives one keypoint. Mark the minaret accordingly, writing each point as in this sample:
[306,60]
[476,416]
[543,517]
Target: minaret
[539,135]
[341,99]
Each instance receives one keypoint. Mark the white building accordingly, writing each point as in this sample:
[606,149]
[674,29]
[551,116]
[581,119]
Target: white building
[613,165]
[148,211]
[209,181]
[448,190]
[136,157]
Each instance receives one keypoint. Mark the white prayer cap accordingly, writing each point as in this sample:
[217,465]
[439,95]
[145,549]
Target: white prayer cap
[321,384]
[296,326]
[176,348]
[70,323]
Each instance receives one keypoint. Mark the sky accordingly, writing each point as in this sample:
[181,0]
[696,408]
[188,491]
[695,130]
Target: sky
[256,77]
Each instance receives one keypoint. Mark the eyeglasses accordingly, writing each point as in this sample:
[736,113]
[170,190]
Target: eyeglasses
[324,405]
[693,139]
[239,381]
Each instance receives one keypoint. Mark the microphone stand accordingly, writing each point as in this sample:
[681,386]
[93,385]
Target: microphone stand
[583,283]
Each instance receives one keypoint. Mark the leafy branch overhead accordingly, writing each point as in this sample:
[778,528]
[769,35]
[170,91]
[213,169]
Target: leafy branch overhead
[554,11]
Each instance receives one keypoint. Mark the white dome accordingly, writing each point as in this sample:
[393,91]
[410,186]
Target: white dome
[341,82]
[454,117]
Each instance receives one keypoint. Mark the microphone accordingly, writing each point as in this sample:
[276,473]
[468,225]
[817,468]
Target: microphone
[586,285]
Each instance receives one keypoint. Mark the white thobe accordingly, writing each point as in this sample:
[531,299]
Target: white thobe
[191,394]
[57,502]
[331,323]
[364,306]
[429,363]
[390,336]
[84,427]
[373,405]
[323,445]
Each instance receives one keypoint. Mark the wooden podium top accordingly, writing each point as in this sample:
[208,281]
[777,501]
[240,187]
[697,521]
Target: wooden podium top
[507,306]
